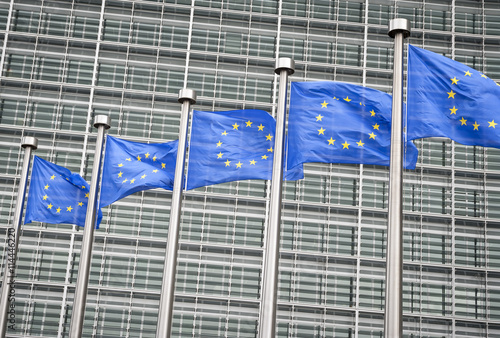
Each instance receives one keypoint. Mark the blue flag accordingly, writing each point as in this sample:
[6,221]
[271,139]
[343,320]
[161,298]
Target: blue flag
[232,145]
[133,166]
[449,99]
[334,122]
[56,195]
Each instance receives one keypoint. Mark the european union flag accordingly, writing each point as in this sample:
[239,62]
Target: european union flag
[133,166]
[56,195]
[232,145]
[334,122]
[449,99]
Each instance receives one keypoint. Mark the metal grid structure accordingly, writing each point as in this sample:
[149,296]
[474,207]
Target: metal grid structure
[62,62]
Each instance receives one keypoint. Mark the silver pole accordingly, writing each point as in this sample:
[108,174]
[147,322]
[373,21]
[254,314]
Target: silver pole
[399,29]
[8,310]
[101,122]
[164,326]
[267,323]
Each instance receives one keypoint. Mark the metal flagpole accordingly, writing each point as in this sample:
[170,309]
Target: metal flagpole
[267,324]
[7,310]
[399,29]
[101,122]
[164,326]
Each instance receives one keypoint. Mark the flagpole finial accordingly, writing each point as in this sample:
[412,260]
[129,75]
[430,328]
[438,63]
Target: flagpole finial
[29,141]
[102,120]
[285,64]
[399,25]
[187,94]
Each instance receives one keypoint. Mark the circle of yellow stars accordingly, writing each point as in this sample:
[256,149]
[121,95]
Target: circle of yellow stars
[139,158]
[451,95]
[252,162]
[58,209]
[345,145]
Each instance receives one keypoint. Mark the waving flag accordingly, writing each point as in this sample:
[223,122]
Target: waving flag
[334,122]
[449,99]
[133,166]
[232,145]
[56,195]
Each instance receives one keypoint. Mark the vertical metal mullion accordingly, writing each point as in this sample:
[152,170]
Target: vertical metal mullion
[453,193]
[6,37]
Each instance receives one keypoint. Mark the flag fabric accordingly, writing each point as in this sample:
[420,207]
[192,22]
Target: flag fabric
[232,145]
[56,195]
[335,122]
[133,166]
[449,99]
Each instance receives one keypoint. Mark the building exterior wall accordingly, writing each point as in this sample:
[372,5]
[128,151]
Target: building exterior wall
[64,61]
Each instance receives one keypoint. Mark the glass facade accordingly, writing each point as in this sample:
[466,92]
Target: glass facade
[62,62]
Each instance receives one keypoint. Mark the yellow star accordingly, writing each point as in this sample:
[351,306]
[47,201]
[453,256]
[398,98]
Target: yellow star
[120,174]
[139,158]
[249,124]
[335,98]
[227,163]
[321,131]
[453,111]
[224,133]
[482,75]
[347,99]
[261,127]
[69,208]
[464,121]
[87,195]
[331,141]
[45,197]
[49,206]
[476,125]
[319,117]
[147,155]
[143,176]
[219,144]
[58,210]
[270,150]
[132,181]
[154,158]
[46,187]
[360,144]
[264,157]
[492,123]
[128,159]
[219,155]
[451,94]
[120,165]
[454,80]
[238,165]
[372,112]
[80,204]
[235,126]
[346,145]
[155,171]
[125,180]
[324,104]
[83,187]
[376,126]
[163,165]
[252,162]
[52,177]
[269,137]
[372,135]
[467,73]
